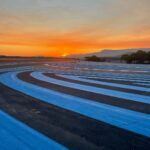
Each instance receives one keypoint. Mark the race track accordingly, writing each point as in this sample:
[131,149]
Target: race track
[70,109]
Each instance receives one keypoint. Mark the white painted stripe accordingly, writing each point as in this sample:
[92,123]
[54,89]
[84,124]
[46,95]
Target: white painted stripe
[16,63]
[130,120]
[17,136]
[107,92]
[112,78]
[16,68]
[107,83]
[126,77]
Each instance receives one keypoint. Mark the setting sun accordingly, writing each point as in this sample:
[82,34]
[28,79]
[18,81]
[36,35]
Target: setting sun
[64,54]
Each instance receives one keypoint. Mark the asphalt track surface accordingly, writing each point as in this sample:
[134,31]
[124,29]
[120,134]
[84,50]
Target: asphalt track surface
[65,126]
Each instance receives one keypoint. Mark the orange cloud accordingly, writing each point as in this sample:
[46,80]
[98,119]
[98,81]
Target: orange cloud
[56,44]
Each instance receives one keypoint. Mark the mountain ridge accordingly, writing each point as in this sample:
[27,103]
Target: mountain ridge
[109,53]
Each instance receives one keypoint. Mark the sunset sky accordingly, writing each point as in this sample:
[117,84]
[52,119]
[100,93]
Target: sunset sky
[62,27]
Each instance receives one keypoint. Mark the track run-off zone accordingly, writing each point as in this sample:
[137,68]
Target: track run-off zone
[18,136]
[123,118]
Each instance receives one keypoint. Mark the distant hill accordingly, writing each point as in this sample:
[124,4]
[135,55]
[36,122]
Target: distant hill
[109,53]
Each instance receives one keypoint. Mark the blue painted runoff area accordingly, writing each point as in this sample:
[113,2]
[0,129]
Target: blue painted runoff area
[15,135]
[108,83]
[123,118]
[107,92]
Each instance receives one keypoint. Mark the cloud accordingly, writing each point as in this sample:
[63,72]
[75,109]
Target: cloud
[81,25]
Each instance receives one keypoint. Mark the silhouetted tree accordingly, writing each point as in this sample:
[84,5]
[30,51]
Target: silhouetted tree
[140,57]
[94,58]
[148,56]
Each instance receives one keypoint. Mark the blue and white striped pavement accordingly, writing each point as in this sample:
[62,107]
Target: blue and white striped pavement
[133,121]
